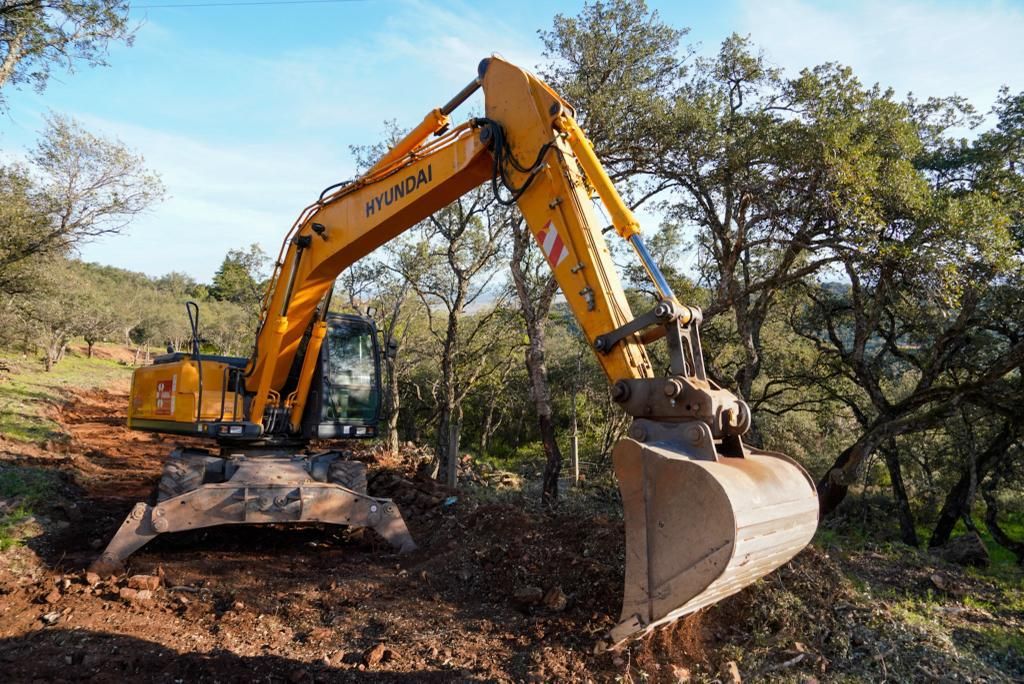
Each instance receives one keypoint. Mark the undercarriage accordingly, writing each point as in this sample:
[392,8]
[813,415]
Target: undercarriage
[253,486]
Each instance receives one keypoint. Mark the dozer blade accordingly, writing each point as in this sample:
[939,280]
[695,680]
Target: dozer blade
[699,529]
[263,490]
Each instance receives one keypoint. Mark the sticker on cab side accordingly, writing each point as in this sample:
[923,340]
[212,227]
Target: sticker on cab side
[165,391]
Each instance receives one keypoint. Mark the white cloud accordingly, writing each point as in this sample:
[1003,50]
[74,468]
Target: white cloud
[308,104]
[220,197]
[969,49]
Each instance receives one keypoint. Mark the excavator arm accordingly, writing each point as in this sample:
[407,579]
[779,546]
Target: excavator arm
[705,514]
[431,167]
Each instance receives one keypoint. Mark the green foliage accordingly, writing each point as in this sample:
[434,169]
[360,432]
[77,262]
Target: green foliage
[30,486]
[614,62]
[22,492]
[92,186]
[37,37]
[24,219]
[241,278]
[79,186]
[9,524]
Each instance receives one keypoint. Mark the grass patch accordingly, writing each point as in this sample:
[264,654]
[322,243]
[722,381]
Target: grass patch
[22,492]
[32,486]
[1001,641]
[10,524]
[27,391]
[1004,567]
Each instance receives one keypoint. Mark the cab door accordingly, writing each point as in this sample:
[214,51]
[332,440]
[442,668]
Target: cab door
[349,391]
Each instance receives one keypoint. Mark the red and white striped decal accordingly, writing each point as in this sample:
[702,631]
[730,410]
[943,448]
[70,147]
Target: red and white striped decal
[551,242]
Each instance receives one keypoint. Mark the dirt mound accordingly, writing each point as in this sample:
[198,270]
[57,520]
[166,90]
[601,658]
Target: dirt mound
[109,352]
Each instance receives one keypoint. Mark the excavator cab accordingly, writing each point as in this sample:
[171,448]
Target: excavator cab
[344,399]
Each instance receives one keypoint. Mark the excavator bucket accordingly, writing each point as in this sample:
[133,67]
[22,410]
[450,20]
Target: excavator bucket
[700,528]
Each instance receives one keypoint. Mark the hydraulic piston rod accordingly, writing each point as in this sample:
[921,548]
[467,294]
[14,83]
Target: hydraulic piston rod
[664,289]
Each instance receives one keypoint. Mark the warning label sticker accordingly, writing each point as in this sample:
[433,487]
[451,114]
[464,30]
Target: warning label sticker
[165,391]
[551,242]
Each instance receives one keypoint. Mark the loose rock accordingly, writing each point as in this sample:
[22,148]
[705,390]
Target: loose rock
[377,655]
[555,599]
[528,596]
[730,672]
[682,675]
[144,582]
[130,595]
[53,597]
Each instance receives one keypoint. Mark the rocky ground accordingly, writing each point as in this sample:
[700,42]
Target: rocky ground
[497,592]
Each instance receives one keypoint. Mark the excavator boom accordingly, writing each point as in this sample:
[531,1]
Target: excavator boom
[705,514]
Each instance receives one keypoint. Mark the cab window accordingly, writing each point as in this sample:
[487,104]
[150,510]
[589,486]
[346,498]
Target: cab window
[351,388]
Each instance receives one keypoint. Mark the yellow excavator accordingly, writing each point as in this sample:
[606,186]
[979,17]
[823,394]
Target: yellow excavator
[705,514]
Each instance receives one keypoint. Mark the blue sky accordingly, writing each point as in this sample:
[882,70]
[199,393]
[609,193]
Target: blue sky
[247,112]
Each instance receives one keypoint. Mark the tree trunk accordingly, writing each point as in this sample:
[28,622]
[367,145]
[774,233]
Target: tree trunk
[89,344]
[952,510]
[574,452]
[490,427]
[393,404]
[992,523]
[908,532]
[439,467]
[958,499]
[834,485]
[553,464]
[449,405]
[15,51]
[831,489]
[574,437]
[452,465]
[536,306]
[54,352]
[538,372]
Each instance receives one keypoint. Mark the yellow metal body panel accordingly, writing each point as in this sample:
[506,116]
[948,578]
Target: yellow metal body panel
[558,209]
[169,392]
